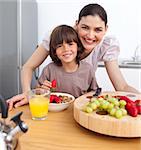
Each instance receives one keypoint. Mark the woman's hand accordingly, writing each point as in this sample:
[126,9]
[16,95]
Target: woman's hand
[17,101]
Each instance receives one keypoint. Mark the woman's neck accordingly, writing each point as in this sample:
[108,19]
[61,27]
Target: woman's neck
[70,67]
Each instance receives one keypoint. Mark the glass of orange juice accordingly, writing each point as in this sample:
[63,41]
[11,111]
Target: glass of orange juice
[38,103]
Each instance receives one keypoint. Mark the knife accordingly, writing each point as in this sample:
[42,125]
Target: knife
[97,92]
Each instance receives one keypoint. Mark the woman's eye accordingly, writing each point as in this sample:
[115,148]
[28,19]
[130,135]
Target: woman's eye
[98,30]
[86,28]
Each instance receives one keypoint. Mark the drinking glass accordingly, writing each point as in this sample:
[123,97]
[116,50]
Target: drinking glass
[39,103]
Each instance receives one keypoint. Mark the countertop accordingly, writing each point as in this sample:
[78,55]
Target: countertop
[61,132]
[123,65]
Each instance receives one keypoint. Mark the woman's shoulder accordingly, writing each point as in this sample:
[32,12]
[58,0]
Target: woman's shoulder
[108,49]
[110,40]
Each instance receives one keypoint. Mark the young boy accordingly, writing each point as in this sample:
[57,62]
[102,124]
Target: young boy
[72,75]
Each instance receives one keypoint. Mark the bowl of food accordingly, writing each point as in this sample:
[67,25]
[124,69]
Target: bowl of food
[60,101]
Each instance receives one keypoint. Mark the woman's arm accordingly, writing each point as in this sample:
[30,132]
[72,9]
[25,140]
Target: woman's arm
[117,78]
[32,63]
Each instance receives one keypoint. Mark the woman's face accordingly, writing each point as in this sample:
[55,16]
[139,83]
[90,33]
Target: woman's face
[91,30]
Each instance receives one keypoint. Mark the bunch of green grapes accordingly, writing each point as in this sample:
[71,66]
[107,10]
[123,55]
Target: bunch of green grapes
[113,106]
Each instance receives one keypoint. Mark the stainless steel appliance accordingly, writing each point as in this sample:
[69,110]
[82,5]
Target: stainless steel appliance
[18,40]
[9,133]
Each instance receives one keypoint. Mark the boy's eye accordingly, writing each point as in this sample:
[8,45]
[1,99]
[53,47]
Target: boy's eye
[71,43]
[59,45]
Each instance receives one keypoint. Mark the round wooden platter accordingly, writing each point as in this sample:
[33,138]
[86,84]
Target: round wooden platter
[127,126]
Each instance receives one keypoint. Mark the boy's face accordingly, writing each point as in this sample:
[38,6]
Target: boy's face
[67,52]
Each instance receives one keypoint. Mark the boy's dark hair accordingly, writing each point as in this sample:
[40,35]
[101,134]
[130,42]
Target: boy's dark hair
[93,10]
[60,34]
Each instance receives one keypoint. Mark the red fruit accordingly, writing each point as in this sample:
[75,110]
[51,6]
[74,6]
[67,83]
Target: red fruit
[55,99]
[124,98]
[58,100]
[139,109]
[131,109]
[138,105]
[54,83]
[128,105]
[52,97]
[138,102]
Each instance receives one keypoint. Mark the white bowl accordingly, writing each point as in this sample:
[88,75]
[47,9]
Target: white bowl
[56,107]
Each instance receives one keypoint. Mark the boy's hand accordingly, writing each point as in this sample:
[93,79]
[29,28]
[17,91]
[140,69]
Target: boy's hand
[48,85]
[45,85]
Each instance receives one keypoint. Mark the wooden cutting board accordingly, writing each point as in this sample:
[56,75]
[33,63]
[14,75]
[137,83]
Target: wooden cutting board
[127,126]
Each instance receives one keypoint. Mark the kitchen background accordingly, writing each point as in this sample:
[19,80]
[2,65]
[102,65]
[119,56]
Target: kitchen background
[24,23]
[18,39]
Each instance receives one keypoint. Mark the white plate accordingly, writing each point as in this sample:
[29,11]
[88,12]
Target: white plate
[56,107]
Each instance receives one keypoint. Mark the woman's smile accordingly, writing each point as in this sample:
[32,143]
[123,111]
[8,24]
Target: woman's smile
[88,41]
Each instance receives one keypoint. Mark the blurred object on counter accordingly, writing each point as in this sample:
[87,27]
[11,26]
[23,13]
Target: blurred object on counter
[137,54]
[135,61]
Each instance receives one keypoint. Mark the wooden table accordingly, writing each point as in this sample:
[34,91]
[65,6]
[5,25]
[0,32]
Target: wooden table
[61,132]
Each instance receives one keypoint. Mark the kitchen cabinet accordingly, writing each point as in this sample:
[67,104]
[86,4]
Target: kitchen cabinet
[131,75]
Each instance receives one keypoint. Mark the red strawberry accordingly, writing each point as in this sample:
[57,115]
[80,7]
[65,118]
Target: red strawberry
[52,97]
[138,105]
[124,98]
[55,99]
[131,109]
[58,100]
[54,83]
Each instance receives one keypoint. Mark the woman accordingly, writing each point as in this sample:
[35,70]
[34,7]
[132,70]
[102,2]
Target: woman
[91,27]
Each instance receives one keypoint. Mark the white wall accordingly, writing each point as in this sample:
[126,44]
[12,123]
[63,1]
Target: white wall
[123,19]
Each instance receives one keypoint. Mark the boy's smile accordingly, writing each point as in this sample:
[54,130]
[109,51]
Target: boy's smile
[67,52]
